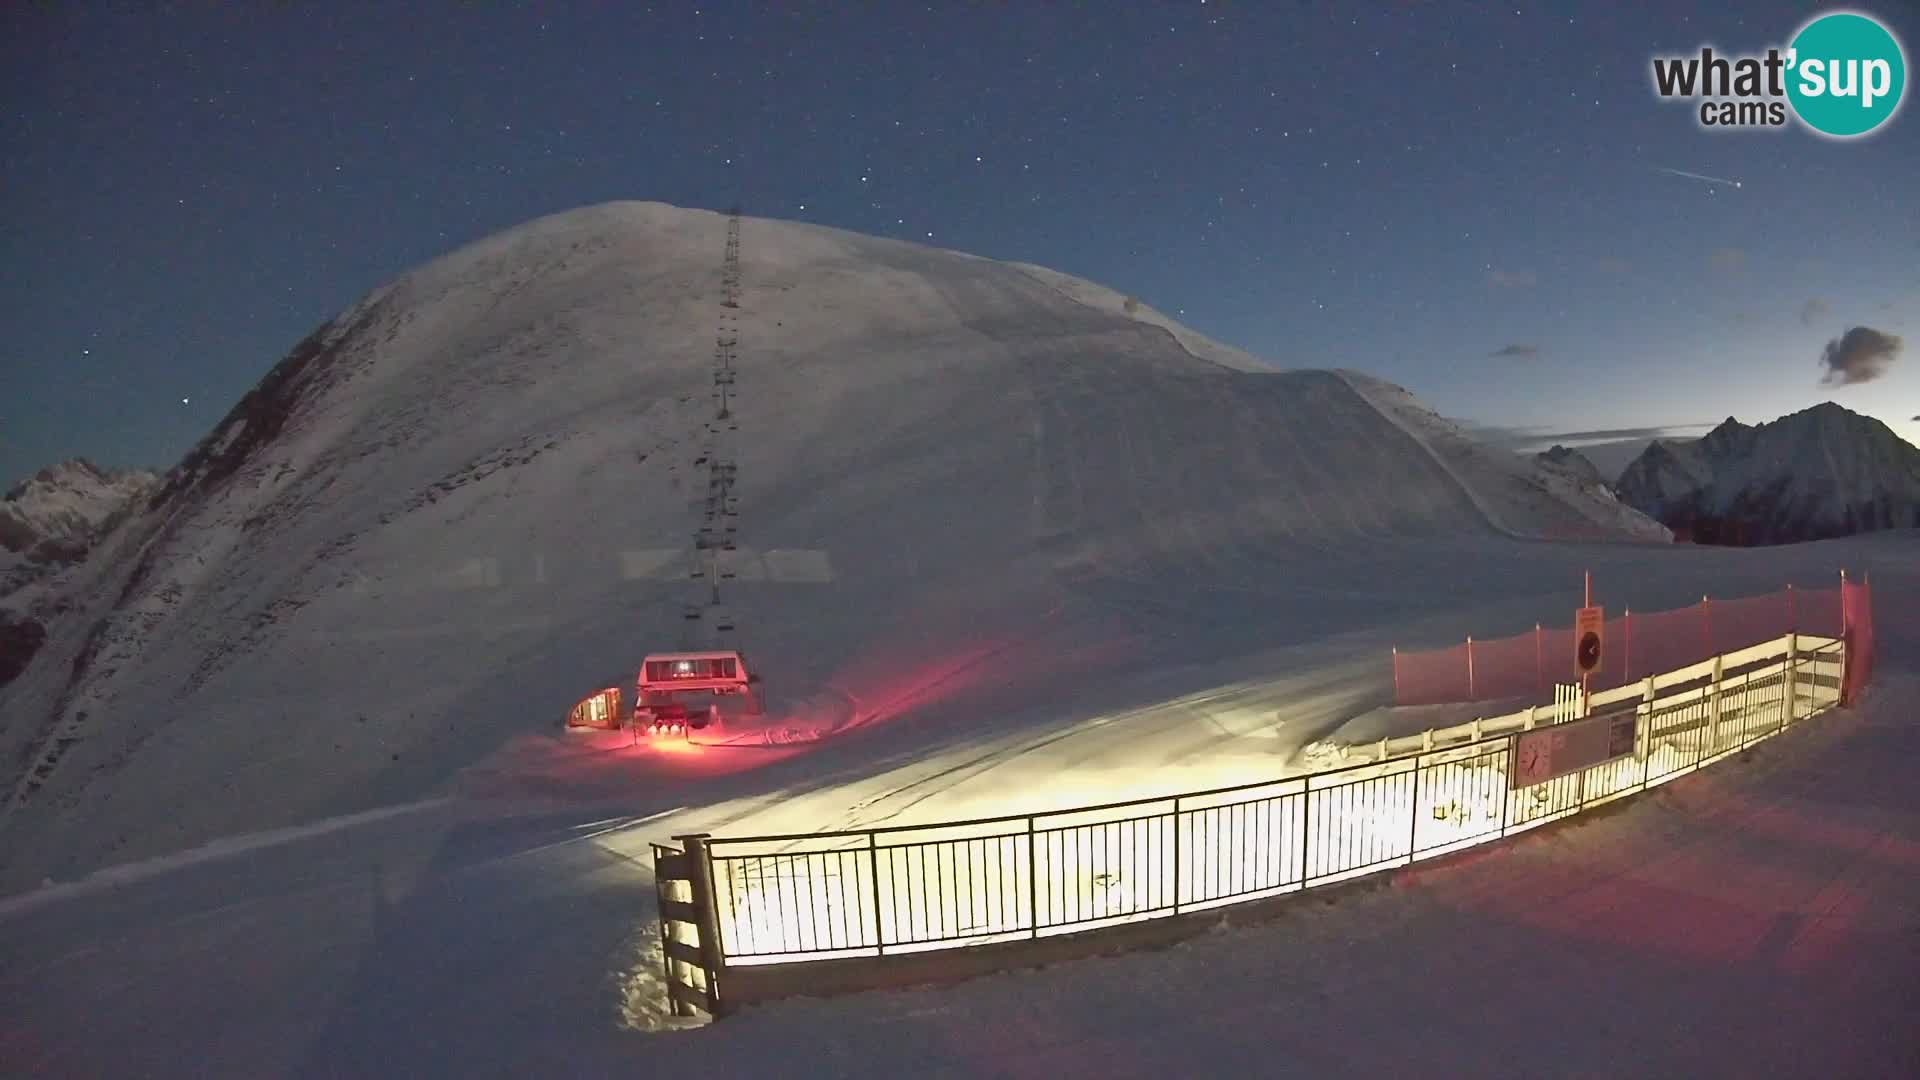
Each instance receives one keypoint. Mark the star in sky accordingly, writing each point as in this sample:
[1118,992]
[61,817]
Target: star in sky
[192,190]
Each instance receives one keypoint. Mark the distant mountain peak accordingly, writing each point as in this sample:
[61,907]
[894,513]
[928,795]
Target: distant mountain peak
[1823,471]
[67,504]
[49,522]
[1573,463]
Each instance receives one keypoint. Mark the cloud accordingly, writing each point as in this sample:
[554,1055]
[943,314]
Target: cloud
[1512,279]
[1517,352]
[1862,354]
[1664,431]
[1729,260]
[1610,265]
[1812,310]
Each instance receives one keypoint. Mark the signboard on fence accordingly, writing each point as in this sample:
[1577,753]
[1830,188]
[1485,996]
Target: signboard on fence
[1589,638]
[1552,752]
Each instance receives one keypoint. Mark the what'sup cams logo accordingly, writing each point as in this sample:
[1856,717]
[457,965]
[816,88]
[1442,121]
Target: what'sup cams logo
[1843,75]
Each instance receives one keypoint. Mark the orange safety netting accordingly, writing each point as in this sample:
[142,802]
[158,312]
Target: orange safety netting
[1856,607]
[1638,644]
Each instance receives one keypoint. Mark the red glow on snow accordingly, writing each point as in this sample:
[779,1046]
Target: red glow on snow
[894,680]
[879,688]
[881,691]
[669,745]
[1792,826]
[1735,879]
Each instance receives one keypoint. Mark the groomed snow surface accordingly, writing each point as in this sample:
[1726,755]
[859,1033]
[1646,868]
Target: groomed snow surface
[1758,918]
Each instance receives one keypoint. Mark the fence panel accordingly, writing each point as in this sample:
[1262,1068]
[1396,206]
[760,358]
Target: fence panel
[817,898]
[1509,667]
[1856,601]
[1666,640]
[1612,779]
[1432,677]
[1740,622]
[1092,872]
[1358,825]
[1819,612]
[1677,736]
[1820,680]
[1462,796]
[1541,803]
[1244,848]
[948,889]
[1638,643]
[908,889]
[1556,648]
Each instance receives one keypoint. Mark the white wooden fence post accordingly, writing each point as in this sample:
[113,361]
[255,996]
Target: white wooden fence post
[1787,683]
[1644,742]
[1713,708]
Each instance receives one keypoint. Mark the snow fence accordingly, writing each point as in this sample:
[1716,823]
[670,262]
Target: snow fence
[753,918]
[1637,643]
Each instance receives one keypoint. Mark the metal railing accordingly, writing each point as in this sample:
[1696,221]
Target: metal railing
[885,891]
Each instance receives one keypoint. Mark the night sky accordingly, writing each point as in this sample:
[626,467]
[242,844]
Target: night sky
[1463,198]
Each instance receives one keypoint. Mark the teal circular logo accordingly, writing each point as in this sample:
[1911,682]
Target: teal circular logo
[1846,74]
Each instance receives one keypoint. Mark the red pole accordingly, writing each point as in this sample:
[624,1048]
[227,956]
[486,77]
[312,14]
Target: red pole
[1626,648]
[1471,692]
[1706,624]
[1539,660]
[1396,676]
[1586,695]
[1790,627]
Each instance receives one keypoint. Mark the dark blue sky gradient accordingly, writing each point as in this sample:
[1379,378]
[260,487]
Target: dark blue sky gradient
[1405,191]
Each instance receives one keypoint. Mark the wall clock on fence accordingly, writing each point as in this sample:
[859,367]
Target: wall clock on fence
[1535,760]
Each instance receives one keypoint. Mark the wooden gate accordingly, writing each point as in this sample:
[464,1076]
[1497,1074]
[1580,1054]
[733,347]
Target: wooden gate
[689,930]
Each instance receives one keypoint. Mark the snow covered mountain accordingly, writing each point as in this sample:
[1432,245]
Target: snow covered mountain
[55,515]
[1519,496]
[1823,472]
[474,496]
[48,523]
[1572,463]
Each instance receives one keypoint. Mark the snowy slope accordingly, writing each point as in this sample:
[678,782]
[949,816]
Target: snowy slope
[1517,494]
[1822,472]
[470,498]
[1113,303]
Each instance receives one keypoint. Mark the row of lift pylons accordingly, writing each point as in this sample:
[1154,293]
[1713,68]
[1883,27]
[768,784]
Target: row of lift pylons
[682,691]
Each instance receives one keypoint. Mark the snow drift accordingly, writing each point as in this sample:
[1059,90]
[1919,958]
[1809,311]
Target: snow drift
[470,499]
